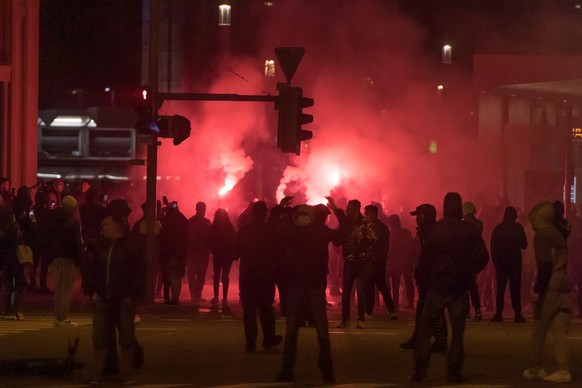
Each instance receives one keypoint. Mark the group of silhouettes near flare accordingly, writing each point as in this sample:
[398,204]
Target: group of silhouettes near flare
[292,248]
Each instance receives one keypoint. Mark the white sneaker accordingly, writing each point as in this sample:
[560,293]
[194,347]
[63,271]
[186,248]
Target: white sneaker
[361,324]
[535,373]
[559,376]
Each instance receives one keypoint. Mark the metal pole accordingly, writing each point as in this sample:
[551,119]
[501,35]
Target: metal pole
[152,155]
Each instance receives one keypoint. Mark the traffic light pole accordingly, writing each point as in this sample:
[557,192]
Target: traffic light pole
[152,156]
[216,97]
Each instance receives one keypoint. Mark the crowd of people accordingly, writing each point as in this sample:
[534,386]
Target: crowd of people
[299,250]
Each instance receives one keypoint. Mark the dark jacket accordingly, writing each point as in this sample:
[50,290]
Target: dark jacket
[455,251]
[198,229]
[222,242]
[65,241]
[402,250]
[307,257]
[507,241]
[253,246]
[117,271]
[358,237]
[8,240]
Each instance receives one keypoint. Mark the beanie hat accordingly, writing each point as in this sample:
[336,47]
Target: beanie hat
[69,202]
[469,208]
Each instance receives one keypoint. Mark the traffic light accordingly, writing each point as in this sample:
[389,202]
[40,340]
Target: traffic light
[290,105]
[175,127]
[143,107]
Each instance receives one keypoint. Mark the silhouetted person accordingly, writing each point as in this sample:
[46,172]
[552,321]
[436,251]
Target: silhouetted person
[469,211]
[6,194]
[198,251]
[552,296]
[507,241]
[358,234]
[66,252]
[280,216]
[379,253]
[400,256]
[222,242]
[455,254]
[173,247]
[115,282]
[307,240]
[425,220]
[139,232]
[12,270]
[28,230]
[257,280]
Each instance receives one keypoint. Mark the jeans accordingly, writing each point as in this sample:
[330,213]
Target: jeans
[64,272]
[513,275]
[108,316]
[197,267]
[556,314]
[13,276]
[378,280]
[358,272]
[221,274]
[257,293]
[311,301]
[434,303]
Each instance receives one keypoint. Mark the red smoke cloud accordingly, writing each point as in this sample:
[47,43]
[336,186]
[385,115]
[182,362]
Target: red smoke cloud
[377,110]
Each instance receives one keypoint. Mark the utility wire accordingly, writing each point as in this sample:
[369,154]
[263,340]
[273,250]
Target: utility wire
[246,80]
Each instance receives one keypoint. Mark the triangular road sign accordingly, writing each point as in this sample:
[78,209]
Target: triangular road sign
[289,58]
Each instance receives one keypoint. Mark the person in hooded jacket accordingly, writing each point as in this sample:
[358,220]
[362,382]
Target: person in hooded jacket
[552,296]
[257,278]
[455,255]
[307,240]
[507,242]
[115,282]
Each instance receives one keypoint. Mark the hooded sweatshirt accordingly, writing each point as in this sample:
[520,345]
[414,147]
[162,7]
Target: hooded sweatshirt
[551,252]
[455,251]
[507,241]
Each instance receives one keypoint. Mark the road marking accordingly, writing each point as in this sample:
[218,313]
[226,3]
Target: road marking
[363,332]
[8,327]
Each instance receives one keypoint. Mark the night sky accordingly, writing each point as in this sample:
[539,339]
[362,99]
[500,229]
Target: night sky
[92,44]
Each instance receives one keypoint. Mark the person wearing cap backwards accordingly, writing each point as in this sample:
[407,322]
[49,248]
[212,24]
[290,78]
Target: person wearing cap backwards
[66,252]
[425,220]
[455,253]
[307,239]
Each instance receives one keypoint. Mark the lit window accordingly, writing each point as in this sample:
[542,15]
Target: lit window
[269,68]
[224,15]
[447,54]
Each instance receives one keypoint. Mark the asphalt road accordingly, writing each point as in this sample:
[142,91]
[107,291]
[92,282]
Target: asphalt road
[183,348]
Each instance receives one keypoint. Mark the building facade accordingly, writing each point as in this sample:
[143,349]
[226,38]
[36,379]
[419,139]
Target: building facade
[19,42]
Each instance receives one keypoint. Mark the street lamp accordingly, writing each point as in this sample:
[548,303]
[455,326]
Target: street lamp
[224,14]
[447,54]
